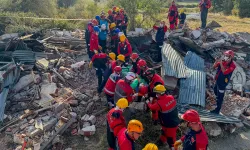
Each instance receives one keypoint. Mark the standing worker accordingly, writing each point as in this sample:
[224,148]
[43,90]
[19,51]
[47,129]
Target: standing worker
[103,20]
[135,59]
[109,88]
[154,80]
[124,22]
[182,18]
[160,36]
[196,138]
[123,88]
[94,41]
[225,70]
[126,137]
[173,15]
[110,17]
[115,122]
[103,37]
[88,31]
[166,106]
[124,48]
[204,6]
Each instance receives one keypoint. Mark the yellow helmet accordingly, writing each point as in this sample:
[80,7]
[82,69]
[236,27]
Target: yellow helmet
[122,103]
[135,126]
[159,89]
[182,10]
[117,9]
[112,55]
[150,146]
[122,38]
[121,57]
[112,25]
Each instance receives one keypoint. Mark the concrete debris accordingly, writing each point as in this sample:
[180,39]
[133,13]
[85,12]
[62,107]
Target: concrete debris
[88,131]
[25,81]
[213,129]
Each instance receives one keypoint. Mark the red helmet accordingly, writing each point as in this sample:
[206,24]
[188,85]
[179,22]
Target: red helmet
[191,116]
[121,10]
[110,12]
[142,63]
[94,22]
[114,8]
[134,56]
[118,69]
[143,89]
[229,52]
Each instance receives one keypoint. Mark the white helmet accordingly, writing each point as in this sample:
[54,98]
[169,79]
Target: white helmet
[120,33]
[103,27]
[130,76]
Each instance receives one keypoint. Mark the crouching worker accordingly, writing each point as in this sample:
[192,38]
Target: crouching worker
[126,137]
[166,106]
[109,88]
[196,139]
[115,122]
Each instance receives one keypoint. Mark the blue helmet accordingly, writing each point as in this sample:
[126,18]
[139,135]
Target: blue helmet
[117,30]
[96,29]
[97,18]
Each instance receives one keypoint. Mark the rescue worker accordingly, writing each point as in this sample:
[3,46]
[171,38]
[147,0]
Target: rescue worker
[103,20]
[119,62]
[114,38]
[154,80]
[99,61]
[182,18]
[94,41]
[142,65]
[88,31]
[124,48]
[118,19]
[204,6]
[123,88]
[196,138]
[166,106]
[98,18]
[103,37]
[109,88]
[225,68]
[160,36]
[110,17]
[173,15]
[124,22]
[112,56]
[115,122]
[114,10]
[126,137]
[150,146]
[135,59]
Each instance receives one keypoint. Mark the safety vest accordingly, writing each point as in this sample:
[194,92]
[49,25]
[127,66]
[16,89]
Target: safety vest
[111,83]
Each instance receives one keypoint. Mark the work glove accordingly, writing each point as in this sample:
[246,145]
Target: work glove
[90,64]
[177,144]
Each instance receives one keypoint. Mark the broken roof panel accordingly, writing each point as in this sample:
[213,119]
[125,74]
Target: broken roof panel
[193,61]
[192,89]
[172,62]
[207,116]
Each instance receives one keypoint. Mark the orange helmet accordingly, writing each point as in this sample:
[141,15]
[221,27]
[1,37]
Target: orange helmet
[135,126]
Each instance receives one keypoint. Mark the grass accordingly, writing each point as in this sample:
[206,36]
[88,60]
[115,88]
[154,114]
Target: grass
[229,24]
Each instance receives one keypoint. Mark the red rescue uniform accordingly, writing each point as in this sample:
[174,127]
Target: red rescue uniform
[123,90]
[94,42]
[195,140]
[124,48]
[168,116]
[99,60]
[116,121]
[111,83]
[124,142]
[156,80]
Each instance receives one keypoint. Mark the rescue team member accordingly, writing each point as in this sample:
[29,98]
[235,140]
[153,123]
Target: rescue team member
[166,106]
[124,22]
[126,137]
[94,41]
[150,146]
[142,65]
[196,138]
[182,18]
[88,31]
[119,62]
[110,17]
[160,35]
[115,122]
[204,6]
[124,48]
[99,61]
[123,88]
[118,19]
[114,37]
[98,18]
[173,16]
[103,20]
[135,59]
[154,80]
[225,70]
[109,88]
[103,37]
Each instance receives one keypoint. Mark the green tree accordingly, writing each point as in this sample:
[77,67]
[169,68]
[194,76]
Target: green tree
[66,3]
[228,7]
[244,6]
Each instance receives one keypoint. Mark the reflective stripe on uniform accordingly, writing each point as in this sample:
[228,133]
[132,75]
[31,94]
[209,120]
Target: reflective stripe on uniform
[106,90]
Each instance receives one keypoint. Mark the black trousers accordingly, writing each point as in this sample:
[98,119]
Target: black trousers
[99,74]
[103,44]
[159,58]
[220,93]
[204,13]
[111,138]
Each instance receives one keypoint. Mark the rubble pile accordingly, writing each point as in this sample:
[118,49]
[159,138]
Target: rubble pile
[59,93]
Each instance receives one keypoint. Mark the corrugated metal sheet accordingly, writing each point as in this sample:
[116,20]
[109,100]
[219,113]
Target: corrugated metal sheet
[194,62]
[207,116]
[172,62]
[3,97]
[192,89]
[24,56]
